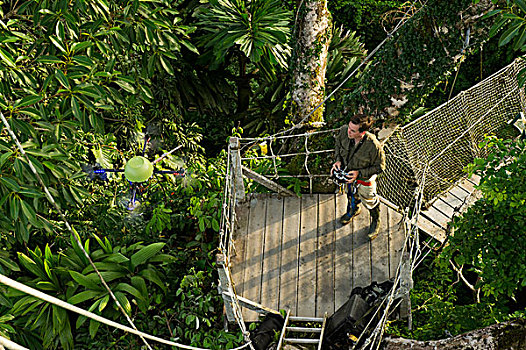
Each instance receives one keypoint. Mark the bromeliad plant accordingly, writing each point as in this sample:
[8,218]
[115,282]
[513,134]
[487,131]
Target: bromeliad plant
[134,273]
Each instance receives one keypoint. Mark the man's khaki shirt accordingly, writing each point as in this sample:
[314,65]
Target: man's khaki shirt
[368,157]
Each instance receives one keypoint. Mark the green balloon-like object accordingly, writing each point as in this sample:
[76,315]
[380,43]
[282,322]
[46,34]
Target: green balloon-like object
[138,169]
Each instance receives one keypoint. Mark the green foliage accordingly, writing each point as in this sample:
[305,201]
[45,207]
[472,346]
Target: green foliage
[205,210]
[345,51]
[134,273]
[160,220]
[366,16]
[421,54]
[490,235]
[63,66]
[443,306]
[510,21]
[198,312]
[259,29]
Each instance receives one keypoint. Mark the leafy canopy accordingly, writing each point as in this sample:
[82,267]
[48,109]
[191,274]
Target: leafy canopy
[66,66]
[260,29]
[490,236]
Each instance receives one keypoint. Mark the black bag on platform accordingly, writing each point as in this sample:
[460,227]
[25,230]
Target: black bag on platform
[348,319]
[264,334]
[345,326]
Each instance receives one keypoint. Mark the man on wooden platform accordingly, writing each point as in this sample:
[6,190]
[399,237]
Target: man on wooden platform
[361,157]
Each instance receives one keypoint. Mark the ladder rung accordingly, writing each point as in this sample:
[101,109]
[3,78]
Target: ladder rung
[301,341]
[304,329]
[306,319]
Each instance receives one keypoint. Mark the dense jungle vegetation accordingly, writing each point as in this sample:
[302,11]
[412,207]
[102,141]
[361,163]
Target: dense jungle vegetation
[88,81]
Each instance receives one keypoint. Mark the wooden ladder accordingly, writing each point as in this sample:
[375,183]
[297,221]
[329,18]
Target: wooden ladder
[306,335]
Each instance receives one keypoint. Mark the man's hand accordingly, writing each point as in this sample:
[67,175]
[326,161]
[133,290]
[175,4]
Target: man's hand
[336,166]
[351,176]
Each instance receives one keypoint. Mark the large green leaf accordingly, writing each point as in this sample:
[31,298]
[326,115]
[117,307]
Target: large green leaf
[14,207]
[151,275]
[90,282]
[58,43]
[124,302]
[125,287]
[10,183]
[7,58]
[28,100]
[30,265]
[510,33]
[104,302]
[29,212]
[75,108]
[63,80]
[145,253]
[83,296]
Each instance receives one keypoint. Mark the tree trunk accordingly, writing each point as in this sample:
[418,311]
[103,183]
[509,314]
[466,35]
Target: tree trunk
[243,87]
[313,36]
[506,335]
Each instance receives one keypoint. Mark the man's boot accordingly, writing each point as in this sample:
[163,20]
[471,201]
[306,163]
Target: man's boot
[347,217]
[374,228]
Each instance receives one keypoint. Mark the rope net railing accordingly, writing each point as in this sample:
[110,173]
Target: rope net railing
[226,249]
[446,139]
[271,156]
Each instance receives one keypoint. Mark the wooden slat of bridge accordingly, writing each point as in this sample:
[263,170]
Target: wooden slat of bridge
[292,253]
[434,221]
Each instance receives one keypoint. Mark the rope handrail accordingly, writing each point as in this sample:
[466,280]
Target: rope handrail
[10,345]
[274,137]
[226,244]
[65,305]
[289,154]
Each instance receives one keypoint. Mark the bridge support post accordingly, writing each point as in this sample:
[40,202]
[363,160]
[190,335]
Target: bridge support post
[237,172]
[224,286]
[406,284]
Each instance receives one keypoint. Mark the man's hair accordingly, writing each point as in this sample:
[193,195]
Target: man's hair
[364,121]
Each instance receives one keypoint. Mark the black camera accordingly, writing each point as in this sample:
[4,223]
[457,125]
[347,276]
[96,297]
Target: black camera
[340,176]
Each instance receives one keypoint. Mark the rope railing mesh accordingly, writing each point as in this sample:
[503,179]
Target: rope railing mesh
[301,149]
[446,138]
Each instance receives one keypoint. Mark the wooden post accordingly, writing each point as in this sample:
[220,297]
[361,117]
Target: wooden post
[235,156]
[406,284]
[262,180]
[224,286]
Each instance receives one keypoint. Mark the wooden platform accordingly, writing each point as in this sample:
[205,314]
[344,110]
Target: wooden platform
[292,253]
[434,221]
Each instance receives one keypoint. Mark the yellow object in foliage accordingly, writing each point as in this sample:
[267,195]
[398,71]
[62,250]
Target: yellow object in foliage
[264,148]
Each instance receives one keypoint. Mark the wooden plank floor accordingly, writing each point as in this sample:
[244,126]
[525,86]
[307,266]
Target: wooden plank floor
[434,221]
[292,253]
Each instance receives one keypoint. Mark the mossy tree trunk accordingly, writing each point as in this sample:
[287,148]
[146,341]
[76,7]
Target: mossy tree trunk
[505,335]
[313,36]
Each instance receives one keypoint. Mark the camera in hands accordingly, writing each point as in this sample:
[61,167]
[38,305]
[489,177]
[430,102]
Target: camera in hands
[339,176]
